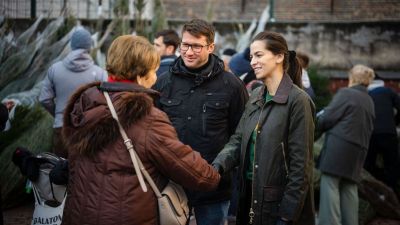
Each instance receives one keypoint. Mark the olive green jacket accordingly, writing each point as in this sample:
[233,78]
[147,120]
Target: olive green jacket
[283,164]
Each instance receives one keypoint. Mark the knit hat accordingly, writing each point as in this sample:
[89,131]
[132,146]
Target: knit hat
[240,63]
[81,39]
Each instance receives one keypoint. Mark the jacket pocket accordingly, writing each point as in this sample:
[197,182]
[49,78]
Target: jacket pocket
[215,114]
[171,107]
[272,197]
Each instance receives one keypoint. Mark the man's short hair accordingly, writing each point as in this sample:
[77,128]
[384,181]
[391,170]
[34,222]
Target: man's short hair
[198,27]
[170,37]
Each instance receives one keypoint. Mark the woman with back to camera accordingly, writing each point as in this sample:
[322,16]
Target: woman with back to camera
[103,187]
[273,142]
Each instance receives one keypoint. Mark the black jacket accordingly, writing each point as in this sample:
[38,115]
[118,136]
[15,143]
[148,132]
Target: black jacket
[283,163]
[205,109]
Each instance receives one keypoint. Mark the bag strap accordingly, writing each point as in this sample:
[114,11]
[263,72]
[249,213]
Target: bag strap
[36,194]
[137,163]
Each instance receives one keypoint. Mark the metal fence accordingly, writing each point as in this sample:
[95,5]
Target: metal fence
[81,9]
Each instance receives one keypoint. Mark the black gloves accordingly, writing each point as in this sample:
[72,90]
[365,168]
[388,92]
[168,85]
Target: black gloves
[26,162]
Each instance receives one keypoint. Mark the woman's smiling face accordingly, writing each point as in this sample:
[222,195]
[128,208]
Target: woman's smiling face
[263,61]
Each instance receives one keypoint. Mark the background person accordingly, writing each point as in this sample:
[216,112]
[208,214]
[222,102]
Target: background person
[305,79]
[64,77]
[384,140]
[166,42]
[227,56]
[348,123]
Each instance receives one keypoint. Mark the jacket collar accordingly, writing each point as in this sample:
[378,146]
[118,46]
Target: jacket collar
[281,94]
[131,87]
[88,124]
[216,66]
[360,88]
[167,59]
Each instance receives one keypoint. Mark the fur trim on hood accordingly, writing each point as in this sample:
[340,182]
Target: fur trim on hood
[88,124]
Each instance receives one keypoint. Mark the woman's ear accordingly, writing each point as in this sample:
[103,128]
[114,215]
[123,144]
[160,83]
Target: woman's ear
[279,58]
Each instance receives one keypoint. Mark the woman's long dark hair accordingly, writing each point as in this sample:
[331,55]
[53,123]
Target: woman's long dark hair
[276,43]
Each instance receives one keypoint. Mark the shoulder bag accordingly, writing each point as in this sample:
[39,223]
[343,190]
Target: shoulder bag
[172,201]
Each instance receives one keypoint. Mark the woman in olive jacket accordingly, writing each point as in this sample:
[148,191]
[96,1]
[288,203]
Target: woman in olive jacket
[273,142]
[103,186]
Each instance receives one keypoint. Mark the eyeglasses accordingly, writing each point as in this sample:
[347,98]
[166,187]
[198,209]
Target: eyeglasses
[196,48]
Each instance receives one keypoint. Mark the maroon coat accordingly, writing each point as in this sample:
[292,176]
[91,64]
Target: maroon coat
[103,186]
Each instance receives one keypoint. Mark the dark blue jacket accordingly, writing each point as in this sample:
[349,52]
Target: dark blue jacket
[166,62]
[385,100]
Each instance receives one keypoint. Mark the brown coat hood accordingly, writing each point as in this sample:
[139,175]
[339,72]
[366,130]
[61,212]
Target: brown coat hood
[103,187]
[88,125]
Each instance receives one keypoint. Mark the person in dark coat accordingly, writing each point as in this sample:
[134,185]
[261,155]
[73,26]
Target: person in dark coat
[103,187]
[384,136]
[274,140]
[348,123]
[204,103]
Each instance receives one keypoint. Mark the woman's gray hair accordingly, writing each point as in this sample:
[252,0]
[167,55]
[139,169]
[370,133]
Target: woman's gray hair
[361,74]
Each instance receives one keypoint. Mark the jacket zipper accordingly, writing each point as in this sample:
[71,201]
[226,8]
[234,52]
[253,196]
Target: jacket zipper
[284,159]
[204,119]
[257,129]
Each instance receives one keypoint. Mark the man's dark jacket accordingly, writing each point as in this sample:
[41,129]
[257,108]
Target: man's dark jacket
[205,108]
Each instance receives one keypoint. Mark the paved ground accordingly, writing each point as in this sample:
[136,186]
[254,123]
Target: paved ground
[19,216]
[22,216]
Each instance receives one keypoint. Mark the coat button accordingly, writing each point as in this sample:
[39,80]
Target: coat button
[217,104]
[255,201]
[191,91]
[256,166]
[169,101]
[189,118]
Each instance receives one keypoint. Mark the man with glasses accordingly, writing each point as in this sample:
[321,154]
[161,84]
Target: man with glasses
[204,104]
